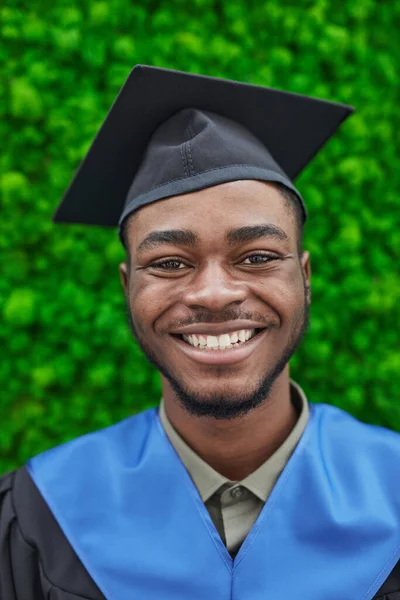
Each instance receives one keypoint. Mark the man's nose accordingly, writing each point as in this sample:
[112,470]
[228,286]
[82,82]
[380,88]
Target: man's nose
[214,288]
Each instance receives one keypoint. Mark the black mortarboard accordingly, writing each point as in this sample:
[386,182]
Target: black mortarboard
[170,133]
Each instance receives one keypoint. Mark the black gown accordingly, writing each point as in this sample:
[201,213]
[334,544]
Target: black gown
[38,563]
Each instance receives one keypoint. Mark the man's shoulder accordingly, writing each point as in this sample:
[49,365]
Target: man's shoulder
[365,458]
[6,482]
[128,433]
[22,503]
[42,555]
[27,503]
[332,419]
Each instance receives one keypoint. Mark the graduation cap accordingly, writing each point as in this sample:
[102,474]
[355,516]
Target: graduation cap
[170,132]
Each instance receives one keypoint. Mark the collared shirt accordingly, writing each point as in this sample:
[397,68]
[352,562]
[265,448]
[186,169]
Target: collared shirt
[235,505]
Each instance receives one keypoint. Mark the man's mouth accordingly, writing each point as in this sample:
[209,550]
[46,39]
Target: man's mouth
[226,341]
[227,348]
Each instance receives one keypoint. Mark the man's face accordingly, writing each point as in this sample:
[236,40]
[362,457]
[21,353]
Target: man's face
[217,262]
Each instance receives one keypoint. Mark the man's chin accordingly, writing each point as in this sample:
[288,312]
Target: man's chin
[221,408]
[222,401]
[216,396]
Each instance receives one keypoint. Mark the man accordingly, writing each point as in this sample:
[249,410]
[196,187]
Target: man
[237,487]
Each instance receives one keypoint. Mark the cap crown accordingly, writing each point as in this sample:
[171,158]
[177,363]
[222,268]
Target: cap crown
[291,127]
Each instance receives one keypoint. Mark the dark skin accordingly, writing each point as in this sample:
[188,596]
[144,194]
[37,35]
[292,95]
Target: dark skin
[214,281]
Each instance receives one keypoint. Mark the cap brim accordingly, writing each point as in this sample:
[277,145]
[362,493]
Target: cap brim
[292,127]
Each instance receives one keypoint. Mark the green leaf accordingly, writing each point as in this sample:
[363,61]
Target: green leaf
[20,307]
[26,102]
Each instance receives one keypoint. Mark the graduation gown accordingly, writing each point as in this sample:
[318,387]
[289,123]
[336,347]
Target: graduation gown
[115,515]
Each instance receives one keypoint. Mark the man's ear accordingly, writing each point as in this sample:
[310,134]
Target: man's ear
[124,276]
[306,267]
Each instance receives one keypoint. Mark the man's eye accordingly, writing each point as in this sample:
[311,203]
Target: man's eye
[168,265]
[260,259]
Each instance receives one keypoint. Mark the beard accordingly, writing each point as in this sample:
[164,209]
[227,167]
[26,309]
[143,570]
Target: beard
[219,405]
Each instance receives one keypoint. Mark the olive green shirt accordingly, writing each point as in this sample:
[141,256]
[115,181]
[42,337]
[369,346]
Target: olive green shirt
[235,505]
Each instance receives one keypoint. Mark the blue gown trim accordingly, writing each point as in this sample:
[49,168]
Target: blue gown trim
[330,528]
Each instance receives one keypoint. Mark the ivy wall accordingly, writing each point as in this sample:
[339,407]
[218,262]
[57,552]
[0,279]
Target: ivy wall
[68,364]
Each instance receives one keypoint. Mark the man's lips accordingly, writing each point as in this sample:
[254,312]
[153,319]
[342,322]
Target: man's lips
[217,328]
[229,356]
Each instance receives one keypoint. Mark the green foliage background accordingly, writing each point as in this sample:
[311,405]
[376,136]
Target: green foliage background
[68,364]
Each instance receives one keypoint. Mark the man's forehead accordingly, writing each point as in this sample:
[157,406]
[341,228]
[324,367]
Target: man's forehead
[243,202]
[190,223]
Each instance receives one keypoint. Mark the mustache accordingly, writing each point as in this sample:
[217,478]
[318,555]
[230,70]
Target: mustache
[203,316]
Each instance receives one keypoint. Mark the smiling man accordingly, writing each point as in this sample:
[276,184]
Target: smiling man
[236,487]
[218,301]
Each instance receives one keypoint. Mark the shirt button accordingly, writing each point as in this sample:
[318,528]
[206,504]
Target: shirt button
[237,492]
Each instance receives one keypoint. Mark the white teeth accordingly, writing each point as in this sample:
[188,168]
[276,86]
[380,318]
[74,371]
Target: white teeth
[224,340]
[196,341]
[203,341]
[221,342]
[212,341]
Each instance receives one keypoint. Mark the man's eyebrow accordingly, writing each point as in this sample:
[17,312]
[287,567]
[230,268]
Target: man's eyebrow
[256,232]
[181,237]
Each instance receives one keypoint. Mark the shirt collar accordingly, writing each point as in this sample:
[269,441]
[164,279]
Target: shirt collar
[261,481]
[205,478]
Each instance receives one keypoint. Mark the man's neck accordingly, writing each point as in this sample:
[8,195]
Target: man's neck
[237,447]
